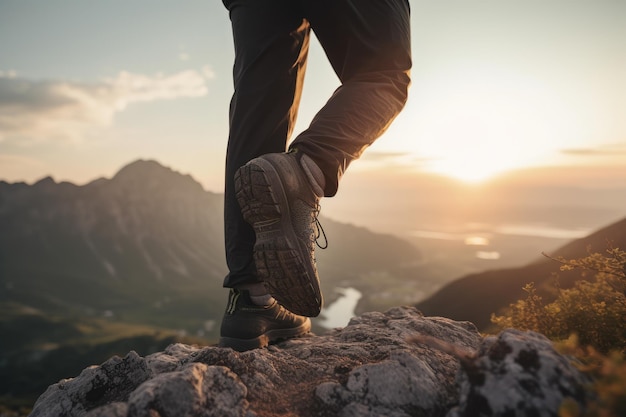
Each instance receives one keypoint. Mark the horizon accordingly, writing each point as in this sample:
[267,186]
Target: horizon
[579,176]
[429,207]
[455,230]
[498,90]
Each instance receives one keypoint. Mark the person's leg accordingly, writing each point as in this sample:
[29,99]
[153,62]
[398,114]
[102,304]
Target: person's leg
[271,44]
[368,45]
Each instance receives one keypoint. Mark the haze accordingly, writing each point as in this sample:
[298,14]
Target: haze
[504,93]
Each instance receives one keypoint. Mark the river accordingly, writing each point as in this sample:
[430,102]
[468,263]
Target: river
[339,312]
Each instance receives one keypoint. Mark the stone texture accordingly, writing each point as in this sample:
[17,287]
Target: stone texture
[518,374]
[194,390]
[372,367]
[112,381]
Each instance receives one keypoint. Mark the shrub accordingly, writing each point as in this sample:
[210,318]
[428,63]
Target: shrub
[593,310]
[587,321]
[608,372]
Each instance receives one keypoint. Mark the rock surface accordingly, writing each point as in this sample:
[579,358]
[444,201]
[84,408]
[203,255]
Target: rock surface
[369,368]
[518,374]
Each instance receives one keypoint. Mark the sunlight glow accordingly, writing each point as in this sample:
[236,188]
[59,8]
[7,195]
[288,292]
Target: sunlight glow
[489,256]
[473,167]
[476,241]
[484,122]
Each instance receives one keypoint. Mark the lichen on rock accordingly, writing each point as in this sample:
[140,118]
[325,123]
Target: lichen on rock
[369,368]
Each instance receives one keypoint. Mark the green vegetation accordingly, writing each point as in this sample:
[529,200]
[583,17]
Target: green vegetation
[587,321]
[39,349]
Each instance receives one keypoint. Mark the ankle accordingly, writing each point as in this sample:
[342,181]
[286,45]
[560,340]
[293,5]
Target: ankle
[314,174]
[258,294]
[262,300]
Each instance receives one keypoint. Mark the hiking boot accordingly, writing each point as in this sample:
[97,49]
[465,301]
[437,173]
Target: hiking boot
[278,201]
[246,325]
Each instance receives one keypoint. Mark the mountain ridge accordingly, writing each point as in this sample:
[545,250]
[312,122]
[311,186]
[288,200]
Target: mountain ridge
[475,297]
[135,261]
[147,236]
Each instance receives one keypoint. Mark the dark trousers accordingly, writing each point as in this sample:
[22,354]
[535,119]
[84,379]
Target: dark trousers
[368,45]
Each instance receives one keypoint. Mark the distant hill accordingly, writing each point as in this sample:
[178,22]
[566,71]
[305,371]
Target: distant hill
[145,246]
[134,262]
[474,297]
[130,245]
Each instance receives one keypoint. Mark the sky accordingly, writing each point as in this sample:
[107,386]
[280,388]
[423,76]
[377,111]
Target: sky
[87,87]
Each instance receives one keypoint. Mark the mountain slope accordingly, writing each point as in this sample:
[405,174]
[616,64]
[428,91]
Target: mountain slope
[143,246]
[146,234]
[130,263]
[474,297]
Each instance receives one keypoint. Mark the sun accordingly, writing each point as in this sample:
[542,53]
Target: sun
[477,159]
[471,168]
[477,148]
[479,122]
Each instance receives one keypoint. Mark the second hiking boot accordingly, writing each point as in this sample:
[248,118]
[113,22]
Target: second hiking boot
[247,326]
[278,201]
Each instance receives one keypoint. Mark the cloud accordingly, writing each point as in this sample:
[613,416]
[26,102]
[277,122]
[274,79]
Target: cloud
[8,74]
[384,156]
[398,159]
[605,150]
[129,88]
[208,72]
[45,110]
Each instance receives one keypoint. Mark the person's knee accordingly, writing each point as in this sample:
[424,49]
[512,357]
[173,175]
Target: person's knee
[403,82]
[396,84]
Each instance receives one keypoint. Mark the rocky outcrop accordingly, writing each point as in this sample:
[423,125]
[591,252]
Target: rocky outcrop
[372,367]
[517,374]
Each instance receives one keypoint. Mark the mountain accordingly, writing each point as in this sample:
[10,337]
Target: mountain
[133,262]
[475,297]
[145,238]
[145,246]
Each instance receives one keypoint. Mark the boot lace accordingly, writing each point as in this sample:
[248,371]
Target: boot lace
[319,230]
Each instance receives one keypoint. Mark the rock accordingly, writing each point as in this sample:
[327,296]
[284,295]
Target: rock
[112,381]
[195,390]
[369,368]
[518,374]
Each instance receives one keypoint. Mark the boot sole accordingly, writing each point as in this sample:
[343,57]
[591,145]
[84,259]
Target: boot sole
[280,258]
